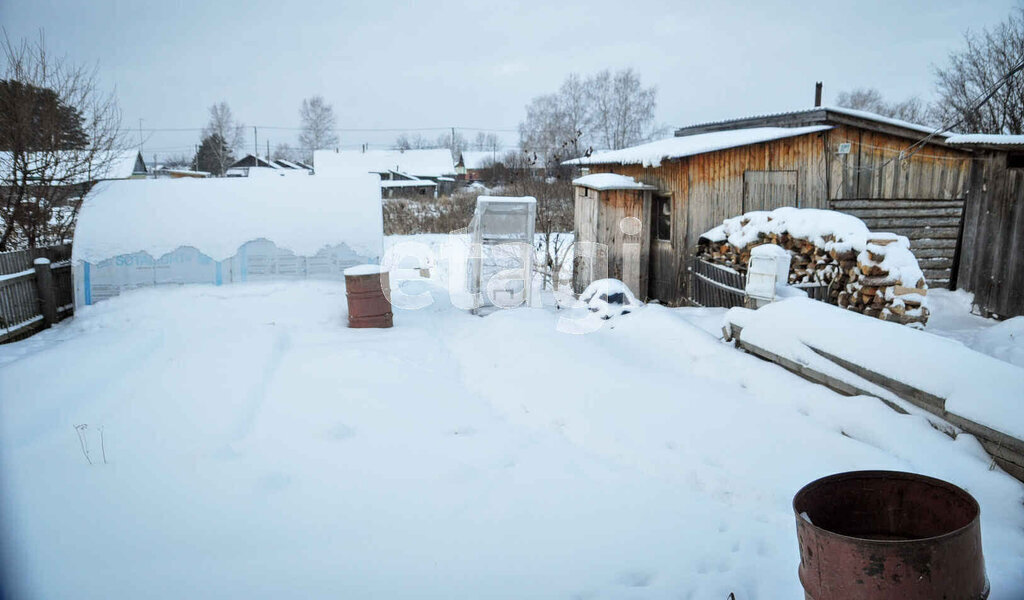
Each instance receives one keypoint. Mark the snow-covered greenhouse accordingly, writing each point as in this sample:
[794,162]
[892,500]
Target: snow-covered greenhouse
[143,233]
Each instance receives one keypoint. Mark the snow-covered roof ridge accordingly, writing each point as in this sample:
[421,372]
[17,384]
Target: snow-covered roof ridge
[217,216]
[610,181]
[651,154]
[993,139]
[823,110]
[433,162]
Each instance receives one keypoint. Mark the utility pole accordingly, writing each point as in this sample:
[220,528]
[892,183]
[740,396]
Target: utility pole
[140,135]
[255,143]
[268,150]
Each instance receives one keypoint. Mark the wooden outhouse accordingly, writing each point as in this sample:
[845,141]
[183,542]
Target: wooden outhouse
[830,158]
[610,212]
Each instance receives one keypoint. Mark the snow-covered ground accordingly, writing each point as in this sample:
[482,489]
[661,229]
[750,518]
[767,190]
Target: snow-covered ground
[951,317]
[257,448]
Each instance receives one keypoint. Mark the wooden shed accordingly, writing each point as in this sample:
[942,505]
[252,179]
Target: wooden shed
[830,158]
[990,260]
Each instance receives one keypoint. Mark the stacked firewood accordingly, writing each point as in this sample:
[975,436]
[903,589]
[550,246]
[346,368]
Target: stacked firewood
[867,277]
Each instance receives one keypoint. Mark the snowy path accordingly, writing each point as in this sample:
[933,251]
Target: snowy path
[260,449]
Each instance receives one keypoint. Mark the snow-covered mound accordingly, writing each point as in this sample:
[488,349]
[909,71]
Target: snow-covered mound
[607,298]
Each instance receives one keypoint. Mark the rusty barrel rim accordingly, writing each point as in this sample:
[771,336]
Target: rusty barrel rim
[902,475]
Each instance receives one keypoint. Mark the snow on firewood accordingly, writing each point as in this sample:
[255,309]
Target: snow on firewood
[873,273]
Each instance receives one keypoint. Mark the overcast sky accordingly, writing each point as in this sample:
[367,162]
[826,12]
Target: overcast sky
[423,64]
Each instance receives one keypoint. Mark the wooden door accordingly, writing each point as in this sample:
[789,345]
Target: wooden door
[768,190]
[661,283]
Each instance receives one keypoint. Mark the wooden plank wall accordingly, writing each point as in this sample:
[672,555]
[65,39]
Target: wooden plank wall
[931,225]
[868,182]
[992,250]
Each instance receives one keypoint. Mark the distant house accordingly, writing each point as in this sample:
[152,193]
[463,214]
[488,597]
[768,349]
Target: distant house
[162,172]
[473,165]
[251,165]
[831,158]
[990,257]
[434,165]
[129,165]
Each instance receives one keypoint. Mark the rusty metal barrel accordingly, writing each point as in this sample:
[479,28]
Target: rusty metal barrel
[368,289]
[872,535]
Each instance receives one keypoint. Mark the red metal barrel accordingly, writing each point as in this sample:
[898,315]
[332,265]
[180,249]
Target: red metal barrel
[869,535]
[368,305]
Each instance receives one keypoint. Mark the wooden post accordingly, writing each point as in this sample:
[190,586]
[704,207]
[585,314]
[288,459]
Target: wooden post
[47,294]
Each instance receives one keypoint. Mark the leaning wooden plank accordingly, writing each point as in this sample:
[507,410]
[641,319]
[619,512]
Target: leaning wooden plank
[922,399]
[972,385]
[833,383]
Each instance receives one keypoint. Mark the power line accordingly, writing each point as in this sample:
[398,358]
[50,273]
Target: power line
[343,129]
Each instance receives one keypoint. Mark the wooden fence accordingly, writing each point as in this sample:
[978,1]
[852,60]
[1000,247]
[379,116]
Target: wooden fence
[34,296]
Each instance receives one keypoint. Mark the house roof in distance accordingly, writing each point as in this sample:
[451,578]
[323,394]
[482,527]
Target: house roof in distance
[819,115]
[420,163]
[610,181]
[480,159]
[651,154]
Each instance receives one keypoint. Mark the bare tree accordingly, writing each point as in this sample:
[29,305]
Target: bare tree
[554,211]
[454,141]
[318,125]
[59,133]
[285,151]
[222,124]
[606,110]
[623,109]
[487,142]
[871,100]
[975,69]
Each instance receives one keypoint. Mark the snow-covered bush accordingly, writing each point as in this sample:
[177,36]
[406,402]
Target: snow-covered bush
[607,298]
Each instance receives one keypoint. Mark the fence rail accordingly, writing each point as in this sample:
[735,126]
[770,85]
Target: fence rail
[34,296]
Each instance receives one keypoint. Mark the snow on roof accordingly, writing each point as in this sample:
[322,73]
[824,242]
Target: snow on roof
[123,165]
[860,114]
[404,183]
[985,139]
[273,172]
[421,163]
[610,181]
[651,154]
[67,167]
[217,216]
[480,159]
